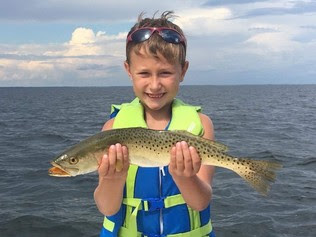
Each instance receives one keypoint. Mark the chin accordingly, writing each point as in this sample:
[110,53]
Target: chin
[157,106]
[152,106]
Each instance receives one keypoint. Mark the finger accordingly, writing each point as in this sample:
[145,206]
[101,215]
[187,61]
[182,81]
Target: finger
[104,166]
[125,158]
[196,160]
[100,159]
[112,159]
[186,157]
[179,157]
[173,163]
[119,158]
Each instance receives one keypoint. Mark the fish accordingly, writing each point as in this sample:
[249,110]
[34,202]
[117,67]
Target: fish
[151,148]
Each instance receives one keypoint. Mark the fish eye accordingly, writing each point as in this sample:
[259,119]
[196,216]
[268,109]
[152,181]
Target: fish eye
[73,160]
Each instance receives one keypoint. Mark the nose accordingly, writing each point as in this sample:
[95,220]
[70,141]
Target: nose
[155,84]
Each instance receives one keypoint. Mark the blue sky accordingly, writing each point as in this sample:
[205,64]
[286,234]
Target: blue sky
[82,43]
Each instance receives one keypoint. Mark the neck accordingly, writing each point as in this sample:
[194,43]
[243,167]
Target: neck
[158,120]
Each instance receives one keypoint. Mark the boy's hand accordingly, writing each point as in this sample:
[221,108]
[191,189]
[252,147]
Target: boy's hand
[114,165]
[184,160]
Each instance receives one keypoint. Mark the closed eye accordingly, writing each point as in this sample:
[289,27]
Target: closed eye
[166,74]
[143,74]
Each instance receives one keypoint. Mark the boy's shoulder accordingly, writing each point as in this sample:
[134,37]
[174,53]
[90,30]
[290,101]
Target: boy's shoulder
[204,118]
[108,124]
[207,126]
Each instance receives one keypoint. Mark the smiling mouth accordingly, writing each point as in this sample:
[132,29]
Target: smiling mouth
[155,96]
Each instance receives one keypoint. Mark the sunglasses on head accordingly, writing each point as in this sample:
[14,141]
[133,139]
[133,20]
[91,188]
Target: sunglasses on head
[167,34]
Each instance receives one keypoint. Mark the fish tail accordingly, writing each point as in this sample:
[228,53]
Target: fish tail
[259,174]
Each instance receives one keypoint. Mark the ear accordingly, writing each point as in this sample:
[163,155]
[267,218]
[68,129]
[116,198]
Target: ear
[184,70]
[127,69]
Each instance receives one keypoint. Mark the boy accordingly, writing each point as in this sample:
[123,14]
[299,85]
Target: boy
[166,201]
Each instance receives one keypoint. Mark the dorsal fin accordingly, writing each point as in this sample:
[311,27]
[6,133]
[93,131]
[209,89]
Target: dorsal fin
[215,144]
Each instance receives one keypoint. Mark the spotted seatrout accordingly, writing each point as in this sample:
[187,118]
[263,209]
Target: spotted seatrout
[151,148]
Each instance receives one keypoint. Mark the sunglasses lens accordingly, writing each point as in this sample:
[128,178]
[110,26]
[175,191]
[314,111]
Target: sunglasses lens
[141,35]
[170,36]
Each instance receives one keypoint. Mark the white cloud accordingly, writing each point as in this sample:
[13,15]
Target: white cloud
[205,21]
[83,43]
[82,36]
[264,27]
[222,40]
[221,13]
[222,45]
[86,55]
[272,42]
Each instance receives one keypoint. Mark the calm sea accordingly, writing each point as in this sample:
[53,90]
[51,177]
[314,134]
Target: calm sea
[261,122]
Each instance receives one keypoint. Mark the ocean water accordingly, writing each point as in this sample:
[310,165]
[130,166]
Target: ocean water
[261,122]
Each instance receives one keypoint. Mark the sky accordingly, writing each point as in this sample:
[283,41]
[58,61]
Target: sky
[230,42]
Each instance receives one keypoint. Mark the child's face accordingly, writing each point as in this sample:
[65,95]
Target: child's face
[155,80]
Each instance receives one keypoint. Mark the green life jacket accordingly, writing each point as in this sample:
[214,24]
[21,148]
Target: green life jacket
[184,117]
[132,115]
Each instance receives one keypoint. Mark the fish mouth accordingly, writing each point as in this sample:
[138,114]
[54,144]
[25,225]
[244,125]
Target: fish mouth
[58,171]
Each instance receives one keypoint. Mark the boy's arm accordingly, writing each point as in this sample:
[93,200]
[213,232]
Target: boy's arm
[109,193]
[193,179]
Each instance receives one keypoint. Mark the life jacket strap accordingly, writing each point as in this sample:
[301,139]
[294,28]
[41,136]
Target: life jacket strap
[108,224]
[153,204]
[149,204]
[202,231]
[130,187]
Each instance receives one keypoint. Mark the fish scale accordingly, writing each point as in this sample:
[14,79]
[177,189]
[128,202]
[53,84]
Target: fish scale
[151,148]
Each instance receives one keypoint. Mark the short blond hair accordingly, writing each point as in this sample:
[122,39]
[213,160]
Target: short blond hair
[155,44]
